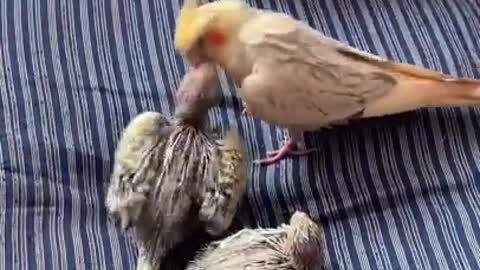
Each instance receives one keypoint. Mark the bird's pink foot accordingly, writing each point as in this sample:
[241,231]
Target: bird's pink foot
[245,110]
[289,149]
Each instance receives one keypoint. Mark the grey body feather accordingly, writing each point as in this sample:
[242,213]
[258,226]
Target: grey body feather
[297,246]
[171,178]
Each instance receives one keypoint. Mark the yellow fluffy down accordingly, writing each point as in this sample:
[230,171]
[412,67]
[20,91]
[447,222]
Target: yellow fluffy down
[194,21]
[190,25]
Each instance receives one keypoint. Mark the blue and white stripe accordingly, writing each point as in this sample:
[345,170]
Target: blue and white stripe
[400,192]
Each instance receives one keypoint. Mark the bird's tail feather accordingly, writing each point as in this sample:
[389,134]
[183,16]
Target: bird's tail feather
[456,93]
[412,94]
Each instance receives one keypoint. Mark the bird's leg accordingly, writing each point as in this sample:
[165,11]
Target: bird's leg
[288,149]
[245,110]
[291,145]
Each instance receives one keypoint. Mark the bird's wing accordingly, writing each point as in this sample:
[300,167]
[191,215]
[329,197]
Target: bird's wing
[314,80]
[135,162]
[277,24]
[225,189]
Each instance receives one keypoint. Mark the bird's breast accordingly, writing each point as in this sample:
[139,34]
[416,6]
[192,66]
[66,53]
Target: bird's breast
[236,62]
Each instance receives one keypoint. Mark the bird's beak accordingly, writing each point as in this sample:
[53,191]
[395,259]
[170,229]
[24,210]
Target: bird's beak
[196,56]
[125,227]
[193,59]
[125,223]
[121,220]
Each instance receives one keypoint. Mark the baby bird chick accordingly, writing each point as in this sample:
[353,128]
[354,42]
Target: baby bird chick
[171,178]
[297,246]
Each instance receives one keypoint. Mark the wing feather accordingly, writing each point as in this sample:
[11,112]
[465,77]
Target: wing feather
[316,82]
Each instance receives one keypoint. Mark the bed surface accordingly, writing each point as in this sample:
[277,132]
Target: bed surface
[398,192]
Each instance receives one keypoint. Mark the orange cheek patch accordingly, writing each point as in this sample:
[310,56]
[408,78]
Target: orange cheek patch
[216,37]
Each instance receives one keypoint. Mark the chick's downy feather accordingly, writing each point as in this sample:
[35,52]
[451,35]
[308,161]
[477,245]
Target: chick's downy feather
[171,178]
[296,246]
[135,166]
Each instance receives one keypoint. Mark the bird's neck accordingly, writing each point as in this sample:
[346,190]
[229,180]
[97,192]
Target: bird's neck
[196,119]
[233,58]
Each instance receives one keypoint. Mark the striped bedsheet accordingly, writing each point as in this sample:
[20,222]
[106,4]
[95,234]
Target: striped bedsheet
[400,192]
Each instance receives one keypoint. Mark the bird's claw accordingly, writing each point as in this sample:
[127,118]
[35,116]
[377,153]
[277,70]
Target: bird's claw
[289,149]
[245,110]
[293,152]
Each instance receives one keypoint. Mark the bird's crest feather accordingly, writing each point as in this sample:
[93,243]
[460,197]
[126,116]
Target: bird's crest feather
[194,20]
[191,24]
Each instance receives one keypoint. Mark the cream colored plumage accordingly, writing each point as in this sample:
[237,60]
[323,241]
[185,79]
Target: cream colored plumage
[293,76]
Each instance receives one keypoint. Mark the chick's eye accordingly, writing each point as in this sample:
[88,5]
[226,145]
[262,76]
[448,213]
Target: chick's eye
[227,195]
[114,217]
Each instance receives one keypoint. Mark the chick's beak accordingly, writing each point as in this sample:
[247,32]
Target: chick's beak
[125,226]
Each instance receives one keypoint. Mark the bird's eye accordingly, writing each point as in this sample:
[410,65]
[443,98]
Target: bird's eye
[227,195]
[114,218]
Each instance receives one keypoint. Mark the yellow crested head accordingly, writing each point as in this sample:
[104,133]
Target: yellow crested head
[191,24]
[194,21]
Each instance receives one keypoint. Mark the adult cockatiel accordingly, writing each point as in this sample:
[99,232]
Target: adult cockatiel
[293,76]
[296,246]
[171,178]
